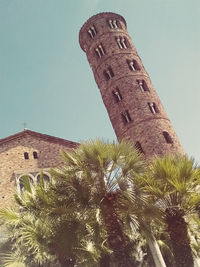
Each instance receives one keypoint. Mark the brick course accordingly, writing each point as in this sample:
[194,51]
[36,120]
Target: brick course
[145,127]
[13,164]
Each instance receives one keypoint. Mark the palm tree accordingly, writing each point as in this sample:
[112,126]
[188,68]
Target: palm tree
[46,230]
[172,183]
[80,209]
[95,175]
[135,205]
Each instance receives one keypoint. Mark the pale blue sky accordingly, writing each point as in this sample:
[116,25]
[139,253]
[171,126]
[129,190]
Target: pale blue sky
[46,81]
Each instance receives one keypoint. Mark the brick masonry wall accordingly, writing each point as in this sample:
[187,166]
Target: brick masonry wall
[13,164]
[145,127]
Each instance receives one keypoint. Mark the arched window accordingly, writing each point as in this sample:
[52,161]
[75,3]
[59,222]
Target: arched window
[126,117]
[117,95]
[92,32]
[26,156]
[143,86]
[108,73]
[167,137]
[23,181]
[133,65]
[35,155]
[100,51]
[44,176]
[154,109]
[114,24]
[122,42]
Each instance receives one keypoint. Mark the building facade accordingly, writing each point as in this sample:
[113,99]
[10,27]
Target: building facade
[28,153]
[134,108]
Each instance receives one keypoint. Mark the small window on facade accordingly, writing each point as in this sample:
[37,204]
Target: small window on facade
[133,65]
[117,95]
[35,155]
[167,137]
[139,147]
[92,31]
[143,86]
[26,156]
[108,73]
[126,117]
[154,109]
[122,42]
[100,51]
[113,23]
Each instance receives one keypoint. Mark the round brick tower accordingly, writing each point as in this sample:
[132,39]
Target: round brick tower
[134,108]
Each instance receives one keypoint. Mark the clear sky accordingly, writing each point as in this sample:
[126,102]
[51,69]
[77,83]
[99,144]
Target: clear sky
[46,81]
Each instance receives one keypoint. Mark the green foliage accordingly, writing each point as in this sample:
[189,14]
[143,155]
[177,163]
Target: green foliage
[102,187]
[172,182]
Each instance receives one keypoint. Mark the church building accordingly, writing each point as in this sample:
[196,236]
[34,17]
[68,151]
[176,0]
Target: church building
[134,108]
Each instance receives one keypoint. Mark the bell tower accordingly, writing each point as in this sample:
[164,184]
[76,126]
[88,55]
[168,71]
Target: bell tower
[135,111]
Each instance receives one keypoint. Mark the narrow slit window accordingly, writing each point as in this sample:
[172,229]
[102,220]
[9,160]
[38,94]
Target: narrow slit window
[143,86]
[117,95]
[133,65]
[35,155]
[167,137]
[92,31]
[108,73]
[154,109]
[122,42]
[26,156]
[100,51]
[139,147]
[126,117]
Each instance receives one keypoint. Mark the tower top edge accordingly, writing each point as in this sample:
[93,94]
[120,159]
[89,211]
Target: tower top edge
[96,17]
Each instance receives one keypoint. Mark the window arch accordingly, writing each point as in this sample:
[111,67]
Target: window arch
[167,137]
[126,117]
[26,156]
[108,73]
[100,51]
[35,155]
[117,95]
[122,42]
[23,179]
[92,32]
[133,65]
[45,177]
[153,108]
[143,86]
[114,24]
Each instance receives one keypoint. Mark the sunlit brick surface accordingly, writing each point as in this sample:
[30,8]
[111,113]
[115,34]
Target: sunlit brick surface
[136,90]
[13,164]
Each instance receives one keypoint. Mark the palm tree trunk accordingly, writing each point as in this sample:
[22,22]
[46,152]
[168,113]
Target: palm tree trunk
[178,232]
[117,241]
[155,250]
[104,261]
[66,262]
